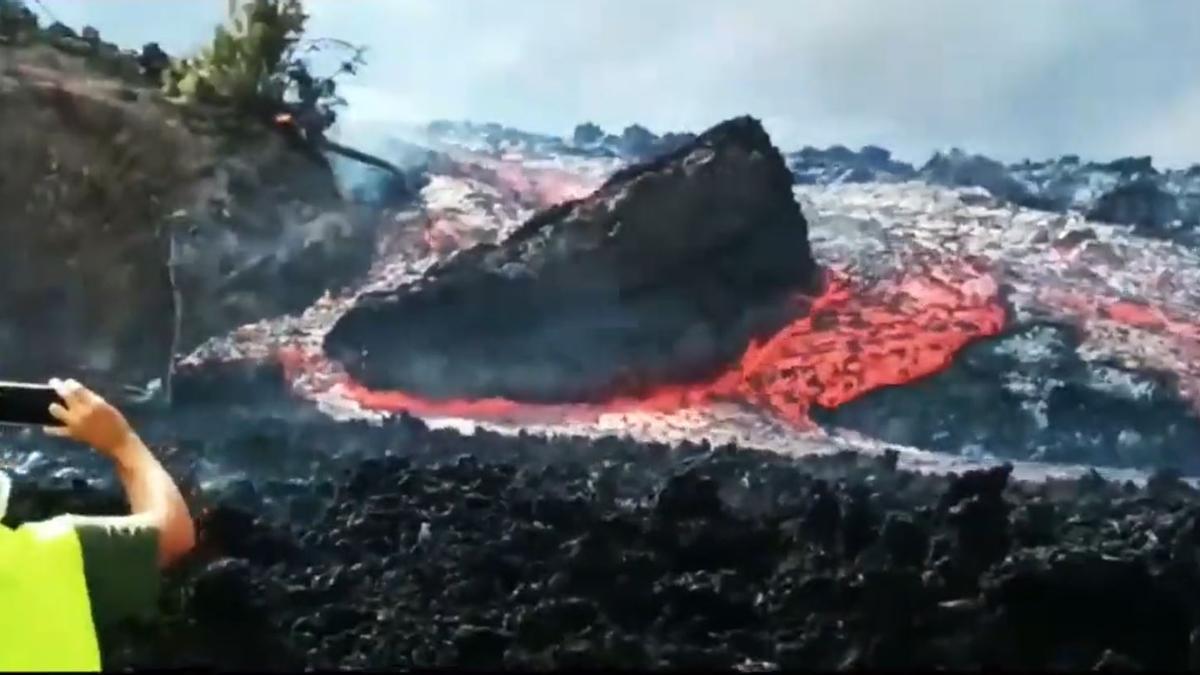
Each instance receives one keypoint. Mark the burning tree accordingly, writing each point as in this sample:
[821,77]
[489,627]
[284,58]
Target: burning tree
[260,62]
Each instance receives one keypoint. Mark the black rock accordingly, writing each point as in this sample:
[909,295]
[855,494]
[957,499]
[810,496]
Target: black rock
[664,274]
[959,169]
[982,525]
[479,646]
[838,164]
[987,484]
[824,515]
[1015,576]
[637,141]
[1035,523]
[1056,598]
[689,495]
[1131,165]
[587,134]
[225,592]
[860,523]
[906,542]
[555,620]
[1166,482]
[1143,203]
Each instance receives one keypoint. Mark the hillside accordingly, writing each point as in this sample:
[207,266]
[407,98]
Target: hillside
[136,228]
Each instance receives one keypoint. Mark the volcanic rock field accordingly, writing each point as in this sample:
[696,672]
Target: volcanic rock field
[488,551]
[682,402]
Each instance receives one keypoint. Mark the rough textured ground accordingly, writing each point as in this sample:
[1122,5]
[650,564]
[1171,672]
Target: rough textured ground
[1130,190]
[1079,311]
[345,544]
[136,228]
[444,549]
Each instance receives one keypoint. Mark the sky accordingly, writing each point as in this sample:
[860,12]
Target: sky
[1013,79]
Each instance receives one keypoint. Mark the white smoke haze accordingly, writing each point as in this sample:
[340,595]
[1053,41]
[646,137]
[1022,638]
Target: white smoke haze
[1014,79]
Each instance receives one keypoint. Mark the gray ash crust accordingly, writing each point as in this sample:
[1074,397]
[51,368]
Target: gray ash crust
[663,274]
[1126,191]
[416,548]
[635,143]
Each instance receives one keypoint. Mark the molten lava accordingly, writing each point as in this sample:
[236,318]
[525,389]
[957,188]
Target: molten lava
[1157,337]
[853,339]
[547,187]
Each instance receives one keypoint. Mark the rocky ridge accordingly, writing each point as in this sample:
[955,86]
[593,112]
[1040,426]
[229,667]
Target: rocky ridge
[1128,191]
[635,143]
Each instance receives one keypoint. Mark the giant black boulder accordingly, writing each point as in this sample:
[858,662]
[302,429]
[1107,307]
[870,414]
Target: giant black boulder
[663,274]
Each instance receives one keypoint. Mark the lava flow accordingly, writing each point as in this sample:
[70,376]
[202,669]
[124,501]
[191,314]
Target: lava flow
[1154,336]
[854,338]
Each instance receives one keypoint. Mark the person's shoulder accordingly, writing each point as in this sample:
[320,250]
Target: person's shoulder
[51,528]
[127,537]
[120,561]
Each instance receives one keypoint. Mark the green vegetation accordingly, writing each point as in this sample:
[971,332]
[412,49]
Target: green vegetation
[15,20]
[258,68]
[259,63]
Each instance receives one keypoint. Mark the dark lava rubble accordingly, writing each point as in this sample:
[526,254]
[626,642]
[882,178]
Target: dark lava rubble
[441,549]
[325,544]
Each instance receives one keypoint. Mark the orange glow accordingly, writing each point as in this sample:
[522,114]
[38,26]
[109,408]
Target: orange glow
[1137,315]
[1169,339]
[852,340]
[544,187]
[1127,312]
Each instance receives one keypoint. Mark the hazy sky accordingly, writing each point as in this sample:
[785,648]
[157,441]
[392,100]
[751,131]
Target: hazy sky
[1012,78]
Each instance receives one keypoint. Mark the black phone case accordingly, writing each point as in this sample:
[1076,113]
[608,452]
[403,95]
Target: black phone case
[27,404]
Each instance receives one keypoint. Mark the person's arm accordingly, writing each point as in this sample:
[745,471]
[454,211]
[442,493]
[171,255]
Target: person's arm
[154,499]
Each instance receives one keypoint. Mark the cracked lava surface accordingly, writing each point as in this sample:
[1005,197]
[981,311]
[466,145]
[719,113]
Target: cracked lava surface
[914,273]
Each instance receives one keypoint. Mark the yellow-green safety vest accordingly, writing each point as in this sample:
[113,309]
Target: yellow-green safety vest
[45,614]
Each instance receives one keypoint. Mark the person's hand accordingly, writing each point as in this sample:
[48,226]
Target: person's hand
[89,419]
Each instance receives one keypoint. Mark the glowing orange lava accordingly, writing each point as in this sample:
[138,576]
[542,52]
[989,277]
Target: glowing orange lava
[1153,336]
[852,340]
[542,186]
[1156,319]
[1134,314]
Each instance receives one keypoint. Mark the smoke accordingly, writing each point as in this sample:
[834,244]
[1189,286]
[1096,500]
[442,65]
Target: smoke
[1026,78]
[1022,78]
[371,185]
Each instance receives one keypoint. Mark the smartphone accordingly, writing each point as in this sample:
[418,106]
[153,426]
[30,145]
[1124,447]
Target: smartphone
[28,404]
